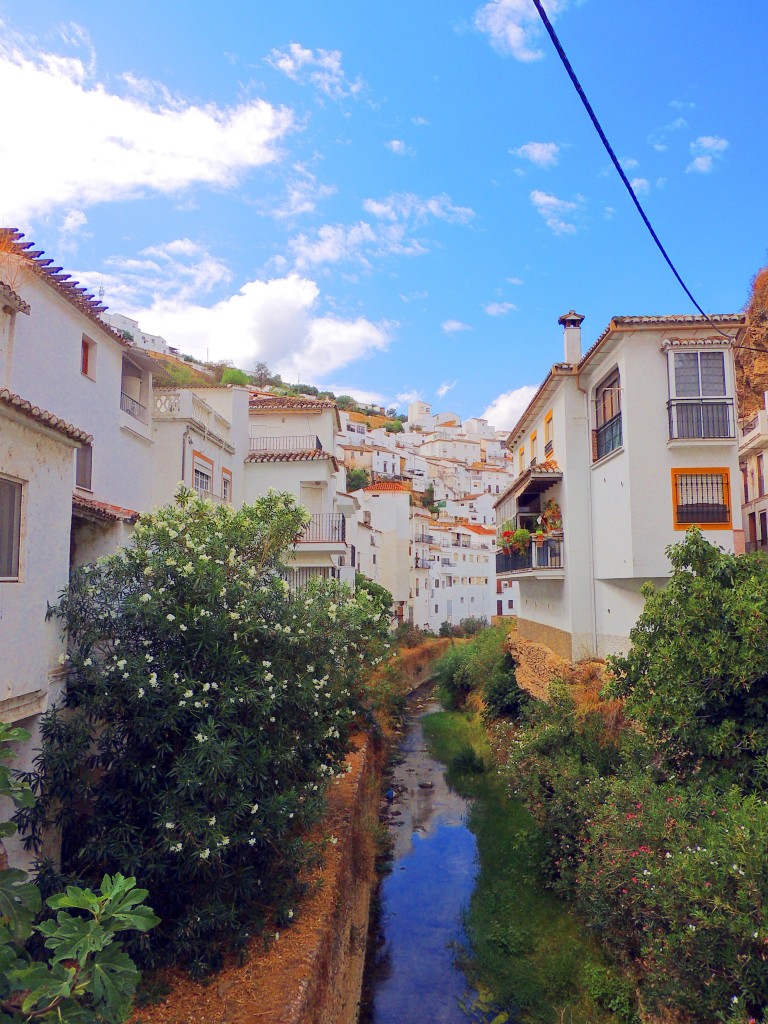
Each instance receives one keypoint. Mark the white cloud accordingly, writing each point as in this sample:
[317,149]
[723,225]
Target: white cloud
[505,410]
[406,397]
[303,193]
[398,215]
[629,163]
[72,222]
[640,186]
[700,165]
[276,320]
[359,394]
[682,105]
[419,121]
[709,144]
[93,145]
[659,139]
[553,210]
[499,308]
[514,25]
[543,154]
[514,280]
[454,326]
[320,68]
[445,387]
[396,146]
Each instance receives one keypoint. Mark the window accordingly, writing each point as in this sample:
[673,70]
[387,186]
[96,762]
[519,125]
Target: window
[226,486]
[549,442]
[608,434]
[202,479]
[88,358]
[10,528]
[84,467]
[534,448]
[701,498]
[698,406]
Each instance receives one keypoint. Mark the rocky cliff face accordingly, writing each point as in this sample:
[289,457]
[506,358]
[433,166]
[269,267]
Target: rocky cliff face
[752,366]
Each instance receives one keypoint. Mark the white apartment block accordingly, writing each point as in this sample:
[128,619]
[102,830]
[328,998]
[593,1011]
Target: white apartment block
[635,441]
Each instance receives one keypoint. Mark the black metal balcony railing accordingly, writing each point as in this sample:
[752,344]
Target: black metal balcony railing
[325,528]
[548,555]
[133,408]
[691,418]
[609,436]
[421,563]
[288,443]
[424,538]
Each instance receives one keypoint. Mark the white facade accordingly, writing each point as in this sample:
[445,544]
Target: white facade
[753,441]
[635,442]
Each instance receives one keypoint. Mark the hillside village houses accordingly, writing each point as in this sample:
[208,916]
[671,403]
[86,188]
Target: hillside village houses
[622,448]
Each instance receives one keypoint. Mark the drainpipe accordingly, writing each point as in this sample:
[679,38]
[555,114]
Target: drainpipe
[184,439]
[591,522]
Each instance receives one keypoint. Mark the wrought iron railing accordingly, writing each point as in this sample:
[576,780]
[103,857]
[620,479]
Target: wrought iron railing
[288,443]
[609,436]
[691,418]
[133,408]
[298,578]
[545,555]
[749,426]
[325,527]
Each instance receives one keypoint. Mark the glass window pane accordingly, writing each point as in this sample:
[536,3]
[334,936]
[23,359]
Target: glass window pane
[712,373]
[687,374]
[10,528]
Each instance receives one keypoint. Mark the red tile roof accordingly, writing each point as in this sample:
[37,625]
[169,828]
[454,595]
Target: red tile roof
[34,412]
[11,241]
[289,402]
[387,485]
[308,456]
[11,300]
[103,510]
[483,530]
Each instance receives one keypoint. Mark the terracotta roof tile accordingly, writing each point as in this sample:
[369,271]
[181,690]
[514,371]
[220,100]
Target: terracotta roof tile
[304,404]
[34,412]
[103,510]
[11,241]
[309,456]
[387,485]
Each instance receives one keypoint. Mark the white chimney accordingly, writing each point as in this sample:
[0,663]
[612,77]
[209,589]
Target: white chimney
[571,324]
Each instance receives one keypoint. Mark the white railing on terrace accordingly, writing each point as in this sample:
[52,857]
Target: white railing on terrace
[186,405]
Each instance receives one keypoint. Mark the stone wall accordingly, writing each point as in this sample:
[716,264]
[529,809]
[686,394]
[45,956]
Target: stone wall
[558,640]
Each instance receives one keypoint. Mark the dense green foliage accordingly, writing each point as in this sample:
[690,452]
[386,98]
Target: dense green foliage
[659,834]
[208,708]
[357,479]
[483,664]
[69,968]
[527,952]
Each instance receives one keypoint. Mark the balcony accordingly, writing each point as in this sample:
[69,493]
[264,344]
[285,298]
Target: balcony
[753,434]
[421,563]
[539,561]
[183,404]
[325,528]
[700,419]
[424,538]
[134,408]
[288,443]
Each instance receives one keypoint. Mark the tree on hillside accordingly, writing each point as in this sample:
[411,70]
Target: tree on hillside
[346,402]
[232,375]
[393,427]
[261,374]
[357,479]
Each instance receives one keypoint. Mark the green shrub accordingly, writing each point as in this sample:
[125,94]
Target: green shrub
[208,708]
[467,761]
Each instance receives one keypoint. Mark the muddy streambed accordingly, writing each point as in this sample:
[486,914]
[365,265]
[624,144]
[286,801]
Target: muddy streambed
[413,974]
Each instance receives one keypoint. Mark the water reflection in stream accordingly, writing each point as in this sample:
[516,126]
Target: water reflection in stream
[411,975]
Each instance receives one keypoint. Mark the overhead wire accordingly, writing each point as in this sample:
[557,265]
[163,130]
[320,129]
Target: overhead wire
[609,149]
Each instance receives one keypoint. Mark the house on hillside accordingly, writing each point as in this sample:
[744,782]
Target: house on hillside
[293,447]
[619,452]
[753,441]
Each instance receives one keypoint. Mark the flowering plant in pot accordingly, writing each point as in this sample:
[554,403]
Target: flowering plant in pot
[552,516]
[521,540]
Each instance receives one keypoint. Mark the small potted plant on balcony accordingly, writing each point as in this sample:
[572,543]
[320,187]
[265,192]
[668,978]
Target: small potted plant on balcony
[552,518]
[521,540]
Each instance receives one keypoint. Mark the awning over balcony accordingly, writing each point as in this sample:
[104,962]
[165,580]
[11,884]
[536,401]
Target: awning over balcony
[535,480]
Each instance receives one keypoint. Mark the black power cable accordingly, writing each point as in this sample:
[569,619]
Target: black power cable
[612,155]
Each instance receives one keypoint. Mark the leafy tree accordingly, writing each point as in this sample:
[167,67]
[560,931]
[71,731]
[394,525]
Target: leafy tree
[79,972]
[261,374]
[357,479]
[696,675]
[346,402]
[232,375]
[208,707]
[393,427]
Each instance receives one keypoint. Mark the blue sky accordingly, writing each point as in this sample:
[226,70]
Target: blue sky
[394,199]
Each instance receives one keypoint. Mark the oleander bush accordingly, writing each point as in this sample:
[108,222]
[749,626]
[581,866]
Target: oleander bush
[208,708]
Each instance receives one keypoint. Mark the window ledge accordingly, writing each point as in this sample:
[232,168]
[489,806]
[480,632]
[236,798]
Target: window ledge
[607,458]
[701,442]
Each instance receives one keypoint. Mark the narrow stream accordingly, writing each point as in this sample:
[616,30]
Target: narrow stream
[411,974]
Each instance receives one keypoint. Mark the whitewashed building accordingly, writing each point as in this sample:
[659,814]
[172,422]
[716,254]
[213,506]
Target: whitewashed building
[635,441]
[753,441]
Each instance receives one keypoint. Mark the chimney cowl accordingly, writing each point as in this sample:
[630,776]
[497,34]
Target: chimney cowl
[571,323]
